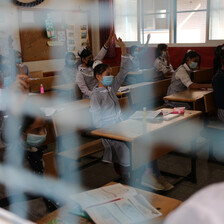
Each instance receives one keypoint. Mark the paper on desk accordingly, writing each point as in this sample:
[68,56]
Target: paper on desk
[150,115]
[103,195]
[123,89]
[130,210]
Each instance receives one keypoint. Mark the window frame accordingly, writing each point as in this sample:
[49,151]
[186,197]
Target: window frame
[172,23]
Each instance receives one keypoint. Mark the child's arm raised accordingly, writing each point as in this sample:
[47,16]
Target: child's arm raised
[124,68]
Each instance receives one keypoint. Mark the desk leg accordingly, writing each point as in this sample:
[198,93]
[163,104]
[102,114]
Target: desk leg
[193,174]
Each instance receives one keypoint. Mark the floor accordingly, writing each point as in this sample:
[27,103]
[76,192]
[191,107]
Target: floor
[101,173]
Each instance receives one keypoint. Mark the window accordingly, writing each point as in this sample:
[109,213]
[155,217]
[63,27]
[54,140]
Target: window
[190,21]
[169,21]
[155,21]
[216,28]
[126,22]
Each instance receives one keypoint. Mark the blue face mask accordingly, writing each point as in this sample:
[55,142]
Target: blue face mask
[7,81]
[35,140]
[19,61]
[193,65]
[70,62]
[107,80]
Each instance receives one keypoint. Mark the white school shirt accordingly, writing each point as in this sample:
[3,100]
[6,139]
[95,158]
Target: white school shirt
[161,66]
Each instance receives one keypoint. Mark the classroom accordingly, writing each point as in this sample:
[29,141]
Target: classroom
[111,111]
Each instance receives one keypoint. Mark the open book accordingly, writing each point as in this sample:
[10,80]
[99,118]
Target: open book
[138,115]
[116,204]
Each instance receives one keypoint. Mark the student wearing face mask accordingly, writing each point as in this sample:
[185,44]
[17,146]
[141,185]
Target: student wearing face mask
[70,69]
[134,61]
[181,79]
[85,78]
[105,110]
[162,63]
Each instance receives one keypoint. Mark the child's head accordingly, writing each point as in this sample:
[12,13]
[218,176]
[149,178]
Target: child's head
[70,59]
[103,73]
[134,50]
[86,57]
[33,130]
[192,59]
[161,50]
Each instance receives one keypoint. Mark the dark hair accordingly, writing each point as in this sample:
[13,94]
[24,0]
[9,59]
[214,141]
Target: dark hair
[85,53]
[27,121]
[100,69]
[159,48]
[217,61]
[68,55]
[191,54]
[222,56]
[132,49]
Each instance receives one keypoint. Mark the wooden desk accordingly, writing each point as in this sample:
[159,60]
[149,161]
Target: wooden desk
[196,97]
[176,132]
[164,204]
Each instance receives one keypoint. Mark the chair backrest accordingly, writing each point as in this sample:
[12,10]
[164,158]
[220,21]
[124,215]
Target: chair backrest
[36,74]
[209,102]
[50,167]
[150,95]
[125,105]
[47,83]
[203,75]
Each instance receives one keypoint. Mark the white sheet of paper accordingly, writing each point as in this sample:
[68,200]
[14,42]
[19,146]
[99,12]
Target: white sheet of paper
[103,195]
[130,210]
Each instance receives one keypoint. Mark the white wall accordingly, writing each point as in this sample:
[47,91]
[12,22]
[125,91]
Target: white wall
[12,27]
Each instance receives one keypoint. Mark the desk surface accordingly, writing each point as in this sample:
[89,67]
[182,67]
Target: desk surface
[188,95]
[129,130]
[164,204]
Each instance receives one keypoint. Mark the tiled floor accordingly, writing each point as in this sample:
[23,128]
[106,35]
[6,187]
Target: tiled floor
[101,173]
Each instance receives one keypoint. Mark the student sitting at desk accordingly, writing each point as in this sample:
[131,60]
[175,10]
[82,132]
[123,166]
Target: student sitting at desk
[70,69]
[106,110]
[162,63]
[85,78]
[181,79]
[134,61]
[218,86]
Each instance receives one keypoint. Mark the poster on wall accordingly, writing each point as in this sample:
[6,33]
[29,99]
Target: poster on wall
[77,35]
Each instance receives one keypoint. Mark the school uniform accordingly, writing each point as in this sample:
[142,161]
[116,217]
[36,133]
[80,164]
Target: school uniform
[161,67]
[133,65]
[180,81]
[106,111]
[85,78]
[218,87]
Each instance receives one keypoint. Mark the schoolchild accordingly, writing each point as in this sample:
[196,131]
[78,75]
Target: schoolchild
[85,78]
[181,78]
[162,63]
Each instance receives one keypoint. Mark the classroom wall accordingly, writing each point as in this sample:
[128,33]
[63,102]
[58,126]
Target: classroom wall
[53,65]
[176,56]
